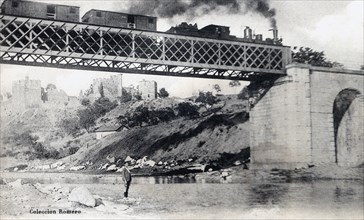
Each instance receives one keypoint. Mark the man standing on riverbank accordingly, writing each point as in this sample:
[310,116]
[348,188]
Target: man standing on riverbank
[126,177]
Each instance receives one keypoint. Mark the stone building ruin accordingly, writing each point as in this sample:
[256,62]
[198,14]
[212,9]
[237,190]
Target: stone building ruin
[110,88]
[147,89]
[26,93]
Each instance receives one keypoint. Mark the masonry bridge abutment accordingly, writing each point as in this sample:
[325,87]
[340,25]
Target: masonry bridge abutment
[311,116]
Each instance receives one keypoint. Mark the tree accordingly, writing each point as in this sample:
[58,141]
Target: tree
[309,56]
[69,125]
[85,102]
[244,94]
[140,115]
[234,83]
[186,109]
[86,118]
[206,98]
[89,91]
[126,96]
[138,97]
[217,88]
[102,105]
[101,90]
[163,93]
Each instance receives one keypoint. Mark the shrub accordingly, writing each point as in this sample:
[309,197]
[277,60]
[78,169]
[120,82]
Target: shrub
[72,150]
[206,98]
[70,125]
[186,109]
[85,102]
[163,93]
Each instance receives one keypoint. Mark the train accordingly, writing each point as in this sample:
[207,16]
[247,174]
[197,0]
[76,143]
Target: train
[126,20]
[123,44]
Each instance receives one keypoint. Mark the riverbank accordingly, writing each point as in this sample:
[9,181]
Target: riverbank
[236,174]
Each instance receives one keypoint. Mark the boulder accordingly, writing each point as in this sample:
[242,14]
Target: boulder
[17,183]
[61,167]
[237,163]
[112,168]
[224,174]
[101,208]
[150,163]
[76,168]
[160,163]
[104,166]
[56,164]
[110,159]
[82,195]
[128,159]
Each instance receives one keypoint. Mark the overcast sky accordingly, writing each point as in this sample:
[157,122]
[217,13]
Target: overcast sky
[335,27]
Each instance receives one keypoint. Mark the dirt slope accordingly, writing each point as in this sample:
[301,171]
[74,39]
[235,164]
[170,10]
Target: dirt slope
[204,139]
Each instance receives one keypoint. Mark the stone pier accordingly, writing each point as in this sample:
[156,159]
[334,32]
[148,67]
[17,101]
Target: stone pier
[296,124]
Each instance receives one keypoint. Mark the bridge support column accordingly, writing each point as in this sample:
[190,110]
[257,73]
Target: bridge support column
[281,123]
[293,125]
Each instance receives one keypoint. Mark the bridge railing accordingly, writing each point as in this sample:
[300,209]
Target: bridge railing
[38,41]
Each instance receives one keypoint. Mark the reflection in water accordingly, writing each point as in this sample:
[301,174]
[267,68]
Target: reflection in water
[266,194]
[163,180]
[344,194]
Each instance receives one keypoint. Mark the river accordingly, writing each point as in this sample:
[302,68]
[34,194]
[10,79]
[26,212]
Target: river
[182,197]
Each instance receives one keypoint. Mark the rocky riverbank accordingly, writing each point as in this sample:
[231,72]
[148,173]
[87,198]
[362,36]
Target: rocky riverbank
[28,200]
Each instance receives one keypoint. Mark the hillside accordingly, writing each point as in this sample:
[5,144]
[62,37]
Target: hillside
[21,128]
[219,135]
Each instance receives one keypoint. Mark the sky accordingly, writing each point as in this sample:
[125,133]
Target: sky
[335,27]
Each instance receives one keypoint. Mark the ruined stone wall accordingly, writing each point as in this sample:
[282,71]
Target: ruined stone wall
[26,93]
[112,87]
[292,125]
[57,97]
[147,89]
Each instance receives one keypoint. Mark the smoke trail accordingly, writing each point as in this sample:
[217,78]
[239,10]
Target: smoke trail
[193,8]
[262,7]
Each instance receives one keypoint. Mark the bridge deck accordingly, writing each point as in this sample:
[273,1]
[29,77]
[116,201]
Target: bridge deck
[32,41]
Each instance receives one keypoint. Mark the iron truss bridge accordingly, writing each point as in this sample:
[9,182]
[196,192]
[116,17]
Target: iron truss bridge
[50,43]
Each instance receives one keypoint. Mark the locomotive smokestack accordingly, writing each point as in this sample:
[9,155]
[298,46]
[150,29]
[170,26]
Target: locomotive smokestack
[248,33]
[259,37]
[275,34]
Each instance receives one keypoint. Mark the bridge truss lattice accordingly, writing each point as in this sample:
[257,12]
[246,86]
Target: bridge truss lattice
[40,42]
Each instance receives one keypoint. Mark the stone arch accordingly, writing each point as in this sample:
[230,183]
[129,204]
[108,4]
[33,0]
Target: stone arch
[348,120]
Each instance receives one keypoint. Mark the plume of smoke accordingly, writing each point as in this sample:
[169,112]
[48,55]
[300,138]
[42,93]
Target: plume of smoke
[194,8]
[190,9]
[261,7]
